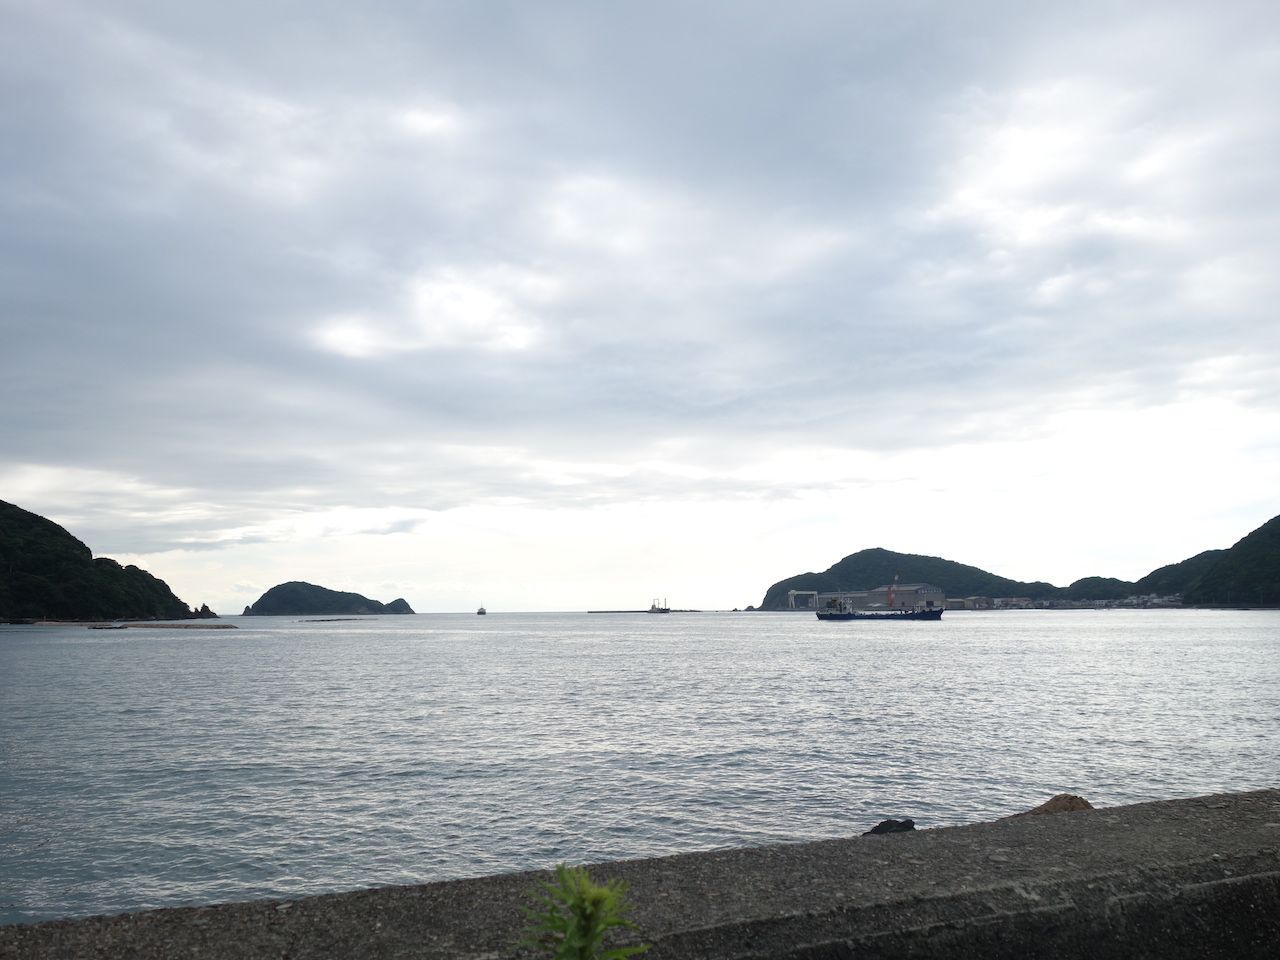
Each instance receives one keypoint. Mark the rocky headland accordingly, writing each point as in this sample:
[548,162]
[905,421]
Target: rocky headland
[47,574]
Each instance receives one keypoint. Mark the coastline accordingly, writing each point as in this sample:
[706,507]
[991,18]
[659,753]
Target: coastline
[1196,877]
[125,624]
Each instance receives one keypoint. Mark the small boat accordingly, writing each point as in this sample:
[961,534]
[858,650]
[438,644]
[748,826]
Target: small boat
[659,609]
[481,612]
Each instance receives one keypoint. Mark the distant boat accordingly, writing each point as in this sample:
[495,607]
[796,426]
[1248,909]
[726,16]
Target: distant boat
[659,609]
[481,612]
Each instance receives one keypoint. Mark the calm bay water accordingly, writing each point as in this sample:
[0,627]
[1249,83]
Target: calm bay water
[145,768]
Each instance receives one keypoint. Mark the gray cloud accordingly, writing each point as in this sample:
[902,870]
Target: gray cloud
[279,257]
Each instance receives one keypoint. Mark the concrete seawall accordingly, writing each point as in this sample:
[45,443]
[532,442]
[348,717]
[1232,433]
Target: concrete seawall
[1179,878]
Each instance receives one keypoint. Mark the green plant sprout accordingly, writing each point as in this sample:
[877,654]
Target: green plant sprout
[576,915]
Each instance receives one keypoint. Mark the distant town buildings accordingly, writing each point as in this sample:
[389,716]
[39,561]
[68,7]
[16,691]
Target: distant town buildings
[924,596]
[1144,602]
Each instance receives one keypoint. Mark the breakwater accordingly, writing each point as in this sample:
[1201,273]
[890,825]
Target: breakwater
[1197,877]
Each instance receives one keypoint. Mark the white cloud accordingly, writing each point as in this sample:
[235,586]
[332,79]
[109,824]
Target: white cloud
[675,236]
[430,123]
[490,309]
[1072,158]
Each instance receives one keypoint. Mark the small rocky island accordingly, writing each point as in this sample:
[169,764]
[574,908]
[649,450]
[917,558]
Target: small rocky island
[298,599]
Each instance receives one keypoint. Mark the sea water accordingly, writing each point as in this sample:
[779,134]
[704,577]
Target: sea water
[151,767]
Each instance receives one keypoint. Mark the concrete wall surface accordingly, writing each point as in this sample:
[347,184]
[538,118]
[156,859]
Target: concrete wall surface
[1179,878]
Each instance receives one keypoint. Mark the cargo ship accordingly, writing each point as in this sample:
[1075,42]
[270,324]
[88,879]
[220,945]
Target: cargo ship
[843,609]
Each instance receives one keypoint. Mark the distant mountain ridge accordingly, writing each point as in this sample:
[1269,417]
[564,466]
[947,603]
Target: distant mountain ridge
[296,598]
[868,569]
[1247,573]
[47,574]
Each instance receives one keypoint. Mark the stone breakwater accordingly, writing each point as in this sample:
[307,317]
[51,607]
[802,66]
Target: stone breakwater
[1197,877]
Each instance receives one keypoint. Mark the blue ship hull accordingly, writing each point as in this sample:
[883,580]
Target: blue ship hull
[888,615]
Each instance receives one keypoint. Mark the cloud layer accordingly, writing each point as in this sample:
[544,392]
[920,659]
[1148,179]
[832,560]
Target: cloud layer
[267,261]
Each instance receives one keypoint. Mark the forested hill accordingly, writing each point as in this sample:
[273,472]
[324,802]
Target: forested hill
[296,598]
[1177,577]
[868,569]
[1248,573]
[46,573]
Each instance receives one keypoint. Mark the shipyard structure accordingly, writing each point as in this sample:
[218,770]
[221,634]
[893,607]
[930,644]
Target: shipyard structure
[901,596]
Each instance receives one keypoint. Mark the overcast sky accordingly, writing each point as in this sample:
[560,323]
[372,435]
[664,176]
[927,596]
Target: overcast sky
[565,305]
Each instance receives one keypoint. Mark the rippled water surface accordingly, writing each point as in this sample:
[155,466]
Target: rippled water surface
[145,768]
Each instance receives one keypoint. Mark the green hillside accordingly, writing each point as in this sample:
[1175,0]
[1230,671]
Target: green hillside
[868,569]
[46,573]
[1097,588]
[1176,577]
[296,598]
[1248,573]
